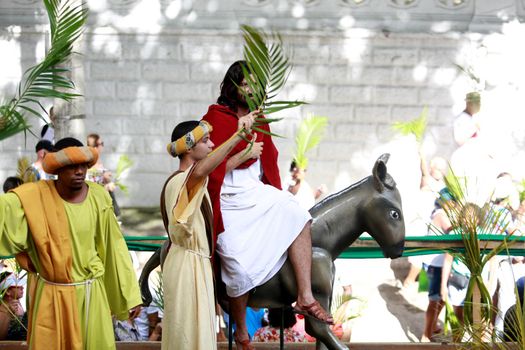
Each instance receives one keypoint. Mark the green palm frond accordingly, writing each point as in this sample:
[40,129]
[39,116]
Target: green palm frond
[417,126]
[124,163]
[522,190]
[158,289]
[46,79]
[266,71]
[470,220]
[310,133]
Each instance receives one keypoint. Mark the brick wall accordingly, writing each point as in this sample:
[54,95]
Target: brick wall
[139,85]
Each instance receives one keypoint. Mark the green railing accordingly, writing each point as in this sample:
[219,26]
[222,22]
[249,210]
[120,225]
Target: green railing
[367,248]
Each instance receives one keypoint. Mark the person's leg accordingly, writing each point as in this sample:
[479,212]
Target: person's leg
[435,303]
[300,255]
[431,316]
[238,314]
[412,275]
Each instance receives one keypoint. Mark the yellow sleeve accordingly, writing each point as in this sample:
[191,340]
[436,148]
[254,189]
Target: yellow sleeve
[120,279]
[13,225]
[184,202]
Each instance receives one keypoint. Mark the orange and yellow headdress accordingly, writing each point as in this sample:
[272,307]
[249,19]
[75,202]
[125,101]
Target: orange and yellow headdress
[53,161]
[190,139]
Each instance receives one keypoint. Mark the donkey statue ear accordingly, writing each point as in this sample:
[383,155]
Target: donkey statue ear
[380,176]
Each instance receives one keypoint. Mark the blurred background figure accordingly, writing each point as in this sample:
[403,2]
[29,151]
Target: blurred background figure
[467,124]
[41,148]
[432,181]
[98,173]
[13,319]
[301,189]
[11,182]
[272,332]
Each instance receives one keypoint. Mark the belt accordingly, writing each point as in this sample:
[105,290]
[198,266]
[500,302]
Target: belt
[193,251]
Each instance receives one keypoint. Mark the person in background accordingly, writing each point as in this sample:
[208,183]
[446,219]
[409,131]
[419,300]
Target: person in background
[432,181]
[441,223]
[272,332]
[100,174]
[41,148]
[301,189]
[13,320]
[467,124]
[11,182]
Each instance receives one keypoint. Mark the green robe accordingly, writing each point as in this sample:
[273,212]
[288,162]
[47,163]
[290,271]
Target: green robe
[98,251]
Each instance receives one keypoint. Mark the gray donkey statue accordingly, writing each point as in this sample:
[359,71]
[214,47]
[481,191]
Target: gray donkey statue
[371,205]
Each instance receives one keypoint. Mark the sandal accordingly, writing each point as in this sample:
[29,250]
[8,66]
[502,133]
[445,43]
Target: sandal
[244,344]
[314,310]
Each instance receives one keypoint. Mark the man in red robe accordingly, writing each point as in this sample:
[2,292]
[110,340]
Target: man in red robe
[256,224]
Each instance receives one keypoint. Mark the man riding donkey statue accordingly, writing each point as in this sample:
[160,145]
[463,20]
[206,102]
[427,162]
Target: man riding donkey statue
[264,237]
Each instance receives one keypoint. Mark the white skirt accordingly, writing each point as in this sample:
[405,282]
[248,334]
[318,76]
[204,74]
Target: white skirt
[259,226]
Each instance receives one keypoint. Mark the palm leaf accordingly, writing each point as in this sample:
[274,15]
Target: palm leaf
[46,80]
[469,71]
[522,190]
[24,170]
[266,71]
[124,163]
[469,220]
[310,133]
[417,126]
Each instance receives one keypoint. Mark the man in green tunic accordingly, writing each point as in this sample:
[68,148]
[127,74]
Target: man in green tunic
[66,233]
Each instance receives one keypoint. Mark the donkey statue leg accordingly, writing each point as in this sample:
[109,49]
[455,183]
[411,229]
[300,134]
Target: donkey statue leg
[323,274]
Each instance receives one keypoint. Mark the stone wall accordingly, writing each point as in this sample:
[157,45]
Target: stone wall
[143,73]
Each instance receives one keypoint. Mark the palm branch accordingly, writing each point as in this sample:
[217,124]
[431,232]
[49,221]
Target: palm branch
[469,71]
[469,220]
[159,291]
[417,126]
[266,71]
[522,190]
[46,79]
[24,170]
[124,163]
[309,135]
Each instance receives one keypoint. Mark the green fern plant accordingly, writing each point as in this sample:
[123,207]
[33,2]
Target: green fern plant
[311,131]
[47,79]
[416,127]
[159,292]
[266,71]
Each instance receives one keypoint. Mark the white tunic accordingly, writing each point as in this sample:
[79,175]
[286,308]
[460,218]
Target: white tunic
[260,223]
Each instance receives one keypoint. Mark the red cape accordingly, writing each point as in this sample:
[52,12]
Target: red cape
[224,123]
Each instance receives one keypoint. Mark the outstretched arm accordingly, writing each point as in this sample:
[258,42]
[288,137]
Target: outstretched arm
[204,167]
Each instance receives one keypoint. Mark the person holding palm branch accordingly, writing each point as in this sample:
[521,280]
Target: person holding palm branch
[257,225]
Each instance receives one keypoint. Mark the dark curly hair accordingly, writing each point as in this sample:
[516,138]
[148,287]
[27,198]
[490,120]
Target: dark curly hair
[229,92]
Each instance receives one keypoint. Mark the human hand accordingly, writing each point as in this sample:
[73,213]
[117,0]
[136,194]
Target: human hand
[16,307]
[106,176]
[134,312]
[256,149]
[246,121]
[110,186]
